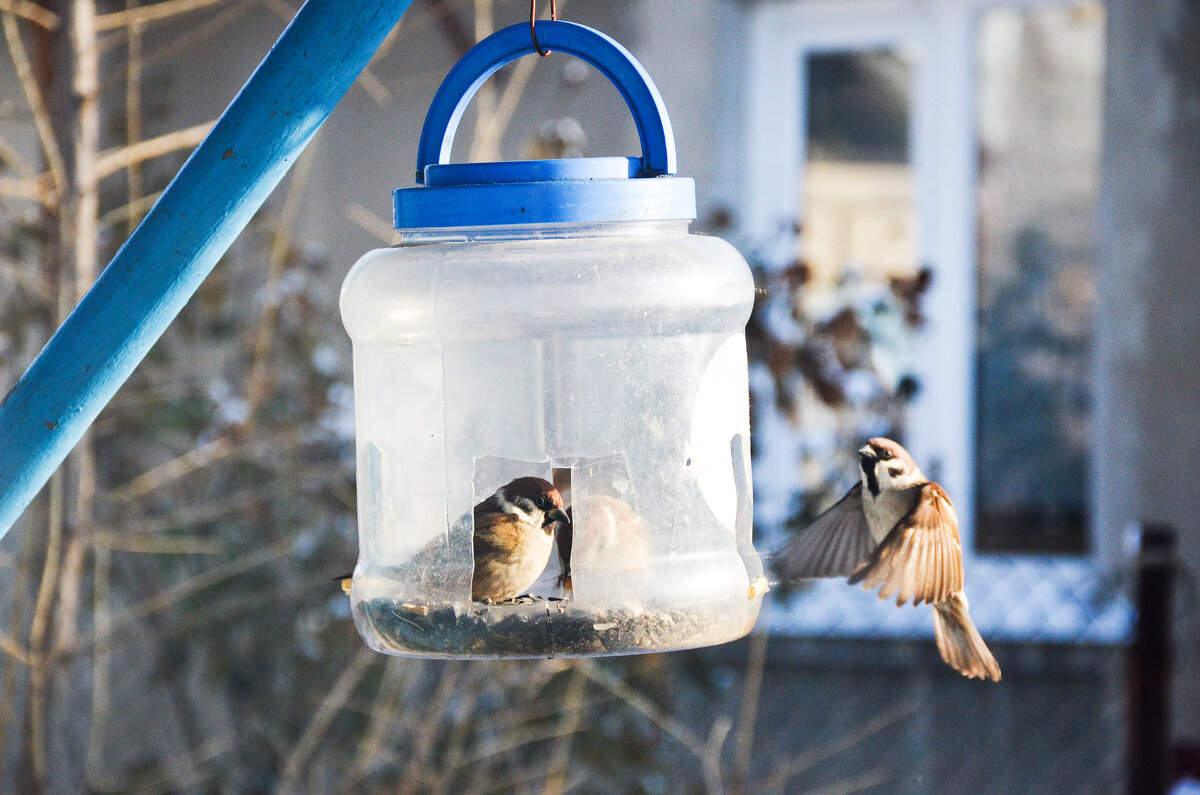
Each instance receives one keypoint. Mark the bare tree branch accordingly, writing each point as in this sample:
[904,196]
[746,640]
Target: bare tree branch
[26,282]
[668,723]
[114,160]
[200,582]
[37,105]
[798,764]
[8,691]
[136,208]
[29,189]
[193,514]
[134,66]
[16,161]
[373,744]
[415,772]
[182,43]
[711,760]
[320,722]
[38,15]
[150,13]
[264,335]
[748,715]
[39,674]
[10,646]
[174,469]
[371,222]
[569,724]
[101,664]
[154,545]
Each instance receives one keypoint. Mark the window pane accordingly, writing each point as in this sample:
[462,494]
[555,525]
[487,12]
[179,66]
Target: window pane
[843,356]
[858,186]
[1039,117]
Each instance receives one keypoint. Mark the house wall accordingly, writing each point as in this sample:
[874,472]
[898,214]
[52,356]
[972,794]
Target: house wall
[1148,408]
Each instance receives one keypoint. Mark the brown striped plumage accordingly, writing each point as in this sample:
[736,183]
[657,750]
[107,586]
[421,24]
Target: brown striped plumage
[896,531]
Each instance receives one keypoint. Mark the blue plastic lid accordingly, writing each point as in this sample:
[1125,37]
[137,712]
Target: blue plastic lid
[577,190]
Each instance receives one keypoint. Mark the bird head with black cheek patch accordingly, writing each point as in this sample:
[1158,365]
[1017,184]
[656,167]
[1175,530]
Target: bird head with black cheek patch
[887,465]
[535,502]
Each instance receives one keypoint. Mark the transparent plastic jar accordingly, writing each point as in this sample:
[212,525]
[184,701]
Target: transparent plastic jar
[604,355]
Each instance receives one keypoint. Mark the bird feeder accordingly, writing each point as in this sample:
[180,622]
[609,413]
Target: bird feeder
[553,319]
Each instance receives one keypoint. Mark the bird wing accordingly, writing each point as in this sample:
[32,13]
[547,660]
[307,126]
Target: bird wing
[496,535]
[921,557]
[832,546]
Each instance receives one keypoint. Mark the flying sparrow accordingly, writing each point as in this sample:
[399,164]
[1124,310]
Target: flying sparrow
[896,529]
[514,532]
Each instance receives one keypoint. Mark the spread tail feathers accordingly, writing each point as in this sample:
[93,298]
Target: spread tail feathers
[959,642]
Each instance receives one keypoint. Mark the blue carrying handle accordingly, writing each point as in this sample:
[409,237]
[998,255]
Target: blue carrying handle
[504,46]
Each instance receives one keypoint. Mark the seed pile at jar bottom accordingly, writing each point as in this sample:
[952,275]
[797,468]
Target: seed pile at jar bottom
[537,627]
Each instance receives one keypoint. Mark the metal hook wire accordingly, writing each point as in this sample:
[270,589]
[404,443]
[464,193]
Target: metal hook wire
[533,17]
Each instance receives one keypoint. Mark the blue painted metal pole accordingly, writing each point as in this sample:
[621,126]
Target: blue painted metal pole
[205,207]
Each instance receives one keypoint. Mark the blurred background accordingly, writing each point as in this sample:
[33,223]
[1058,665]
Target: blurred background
[975,227]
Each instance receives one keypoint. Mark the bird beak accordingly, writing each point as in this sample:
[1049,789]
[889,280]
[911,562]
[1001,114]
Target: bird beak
[556,515]
[866,452]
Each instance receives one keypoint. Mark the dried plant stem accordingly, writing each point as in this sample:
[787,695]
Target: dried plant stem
[320,722]
[28,189]
[185,770]
[133,117]
[259,380]
[748,714]
[101,664]
[42,120]
[860,783]
[192,514]
[70,592]
[84,235]
[798,764]
[388,702]
[490,131]
[151,13]
[178,44]
[174,469]
[495,127]
[152,545]
[483,147]
[8,692]
[10,646]
[193,585]
[85,82]
[39,674]
[17,162]
[664,721]
[135,209]
[25,281]
[371,222]
[717,733]
[113,161]
[32,12]
[569,724]
[416,772]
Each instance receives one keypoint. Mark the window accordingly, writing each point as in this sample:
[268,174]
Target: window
[1040,79]
[973,151]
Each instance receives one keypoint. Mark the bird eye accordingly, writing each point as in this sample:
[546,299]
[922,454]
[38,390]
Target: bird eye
[884,455]
[541,502]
